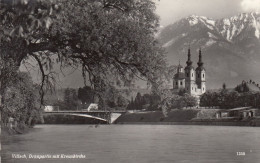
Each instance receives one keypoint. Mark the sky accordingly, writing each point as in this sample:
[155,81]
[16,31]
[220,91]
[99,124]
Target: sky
[173,10]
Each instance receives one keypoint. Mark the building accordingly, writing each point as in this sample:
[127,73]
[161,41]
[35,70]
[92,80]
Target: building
[191,79]
[242,113]
[48,108]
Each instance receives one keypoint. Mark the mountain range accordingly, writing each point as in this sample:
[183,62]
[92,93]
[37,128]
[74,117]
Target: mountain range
[230,46]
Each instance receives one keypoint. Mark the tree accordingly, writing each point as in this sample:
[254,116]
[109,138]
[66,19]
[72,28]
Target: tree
[22,22]
[121,101]
[224,86]
[210,99]
[130,106]
[107,39]
[231,100]
[190,101]
[20,100]
[138,101]
[182,92]
[70,100]
[243,87]
[86,95]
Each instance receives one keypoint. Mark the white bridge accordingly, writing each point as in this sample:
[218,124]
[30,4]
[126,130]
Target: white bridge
[100,116]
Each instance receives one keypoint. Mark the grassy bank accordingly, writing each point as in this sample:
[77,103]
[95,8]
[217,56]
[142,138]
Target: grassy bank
[185,117]
[157,116]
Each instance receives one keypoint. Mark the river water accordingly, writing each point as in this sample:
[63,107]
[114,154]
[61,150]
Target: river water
[134,144]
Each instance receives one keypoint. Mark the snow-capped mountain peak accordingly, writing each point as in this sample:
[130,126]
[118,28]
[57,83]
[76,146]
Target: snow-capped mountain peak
[229,28]
[193,20]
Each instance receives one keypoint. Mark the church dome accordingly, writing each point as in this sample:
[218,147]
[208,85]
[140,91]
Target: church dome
[179,76]
[189,67]
[200,68]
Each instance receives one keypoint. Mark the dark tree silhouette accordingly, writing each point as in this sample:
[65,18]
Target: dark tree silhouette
[86,95]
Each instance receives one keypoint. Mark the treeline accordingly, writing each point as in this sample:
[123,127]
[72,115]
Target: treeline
[154,102]
[182,101]
[147,102]
[77,99]
[230,99]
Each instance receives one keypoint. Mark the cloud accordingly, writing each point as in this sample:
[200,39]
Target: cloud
[251,5]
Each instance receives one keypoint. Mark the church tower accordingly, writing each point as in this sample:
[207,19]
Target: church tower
[201,75]
[190,84]
[179,78]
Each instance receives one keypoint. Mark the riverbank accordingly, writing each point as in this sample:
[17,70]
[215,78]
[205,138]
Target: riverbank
[158,116]
[184,117]
[205,123]
[6,131]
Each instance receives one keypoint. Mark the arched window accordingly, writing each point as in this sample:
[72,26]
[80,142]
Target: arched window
[192,74]
[203,75]
[181,82]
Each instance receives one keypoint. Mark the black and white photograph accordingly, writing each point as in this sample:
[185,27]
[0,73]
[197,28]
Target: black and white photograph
[129,81]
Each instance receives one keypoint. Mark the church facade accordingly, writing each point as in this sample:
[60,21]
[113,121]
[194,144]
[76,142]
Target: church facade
[191,79]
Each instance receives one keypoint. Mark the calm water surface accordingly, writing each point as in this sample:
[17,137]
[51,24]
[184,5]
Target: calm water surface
[136,144]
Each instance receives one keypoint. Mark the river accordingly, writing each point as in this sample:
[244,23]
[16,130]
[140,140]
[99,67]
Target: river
[134,144]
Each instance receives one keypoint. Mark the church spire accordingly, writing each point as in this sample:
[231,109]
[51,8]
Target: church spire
[200,63]
[189,62]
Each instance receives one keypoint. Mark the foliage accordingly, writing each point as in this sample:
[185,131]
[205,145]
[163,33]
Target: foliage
[23,23]
[165,102]
[172,101]
[209,99]
[242,87]
[86,95]
[114,98]
[109,40]
[122,102]
[147,102]
[7,71]
[182,92]
[70,99]
[20,100]
[230,99]
[207,113]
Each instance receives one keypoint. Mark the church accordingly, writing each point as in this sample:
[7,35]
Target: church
[191,79]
